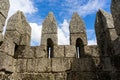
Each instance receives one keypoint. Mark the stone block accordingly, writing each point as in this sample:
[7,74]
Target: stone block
[2,60]
[107,65]
[117,46]
[60,64]
[112,34]
[4,7]
[25,39]
[47,36]
[2,19]
[88,50]
[82,76]
[74,37]
[83,64]
[59,51]
[31,65]
[14,35]
[43,65]
[38,76]
[8,47]
[70,51]
[92,50]
[21,65]
[115,9]
[24,52]
[41,52]
[9,64]
[6,62]
[60,76]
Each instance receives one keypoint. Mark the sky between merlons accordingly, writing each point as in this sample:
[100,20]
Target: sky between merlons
[36,11]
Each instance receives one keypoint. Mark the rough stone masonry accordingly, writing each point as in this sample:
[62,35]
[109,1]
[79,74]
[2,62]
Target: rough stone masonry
[50,61]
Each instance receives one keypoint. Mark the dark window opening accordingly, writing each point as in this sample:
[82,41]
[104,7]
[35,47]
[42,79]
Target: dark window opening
[15,51]
[50,48]
[79,48]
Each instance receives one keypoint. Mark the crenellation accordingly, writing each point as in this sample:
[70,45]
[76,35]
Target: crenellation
[77,30]
[18,29]
[50,61]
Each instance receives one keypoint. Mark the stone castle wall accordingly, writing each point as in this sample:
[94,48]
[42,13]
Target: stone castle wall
[20,61]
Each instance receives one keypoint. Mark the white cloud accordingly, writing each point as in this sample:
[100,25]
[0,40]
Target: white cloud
[36,34]
[91,37]
[84,7]
[23,5]
[92,42]
[63,33]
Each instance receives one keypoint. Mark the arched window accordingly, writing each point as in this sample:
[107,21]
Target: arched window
[79,47]
[50,48]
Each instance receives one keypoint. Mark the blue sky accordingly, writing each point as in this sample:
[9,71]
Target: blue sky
[37,10]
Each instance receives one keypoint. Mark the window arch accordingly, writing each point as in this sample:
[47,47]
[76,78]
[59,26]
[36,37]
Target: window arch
[79,47]
[50,45]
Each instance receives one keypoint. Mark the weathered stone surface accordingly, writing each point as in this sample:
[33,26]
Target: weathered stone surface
[25,39]
[39,76]
[105,32]
[49,24]
[60,64]
[43,65]
[13,35]
[77,29]
[82,76]
[21,65]
[41,52]
[76,24]
[74,37]
[115,9]
[92,50]
[23,52]
[53,37]
[31,65]
[117,46]
[107,65]
[60,76]
[6,62]
[18,24]
[83,64]
[49,30]
[59,51]
[70,51]
[4,7]
[8,47]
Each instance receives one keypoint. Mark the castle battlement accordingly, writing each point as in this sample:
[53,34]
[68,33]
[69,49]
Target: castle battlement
[50,61]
